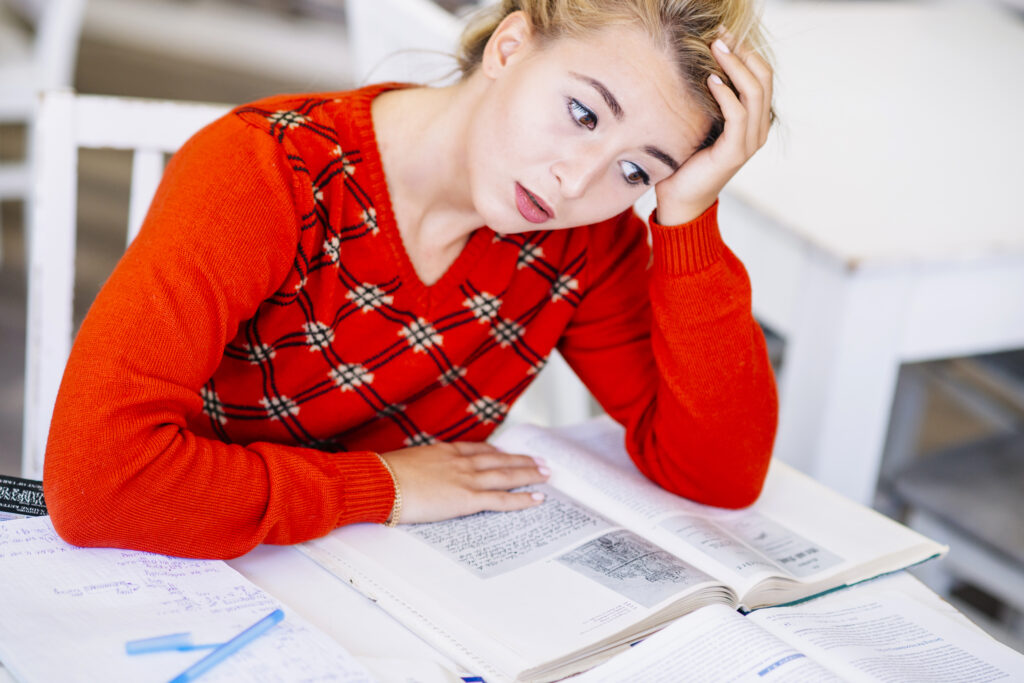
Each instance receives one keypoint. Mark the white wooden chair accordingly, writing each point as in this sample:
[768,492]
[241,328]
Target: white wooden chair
[31,62]
[65,123]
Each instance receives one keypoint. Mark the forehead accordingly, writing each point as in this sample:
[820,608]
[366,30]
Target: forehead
[641,75]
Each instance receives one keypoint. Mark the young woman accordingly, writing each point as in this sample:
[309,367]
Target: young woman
[335,298]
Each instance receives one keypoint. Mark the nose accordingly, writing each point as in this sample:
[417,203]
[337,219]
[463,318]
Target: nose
[575,175]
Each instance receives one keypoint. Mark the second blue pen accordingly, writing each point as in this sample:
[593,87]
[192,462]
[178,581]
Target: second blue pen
[230,647]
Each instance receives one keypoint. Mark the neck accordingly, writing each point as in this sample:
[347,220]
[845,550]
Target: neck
[421,136]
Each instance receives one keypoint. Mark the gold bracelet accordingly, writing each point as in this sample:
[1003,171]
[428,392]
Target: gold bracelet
[396,509]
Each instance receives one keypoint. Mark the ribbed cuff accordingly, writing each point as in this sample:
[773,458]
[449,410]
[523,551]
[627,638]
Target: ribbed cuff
[367,488]
[689,247]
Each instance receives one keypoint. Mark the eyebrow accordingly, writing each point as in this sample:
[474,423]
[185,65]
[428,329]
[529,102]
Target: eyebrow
[619,114]
[662,157]
[605,93]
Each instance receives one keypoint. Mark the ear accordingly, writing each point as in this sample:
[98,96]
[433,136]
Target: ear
[511,39]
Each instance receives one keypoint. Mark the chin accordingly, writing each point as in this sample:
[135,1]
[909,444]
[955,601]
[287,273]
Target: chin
[512,229]
[503,220]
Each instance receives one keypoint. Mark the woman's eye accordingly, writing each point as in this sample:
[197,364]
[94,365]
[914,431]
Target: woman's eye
[581,115]
[633,174]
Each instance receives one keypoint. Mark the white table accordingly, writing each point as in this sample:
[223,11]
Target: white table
[881,223]
[390,652]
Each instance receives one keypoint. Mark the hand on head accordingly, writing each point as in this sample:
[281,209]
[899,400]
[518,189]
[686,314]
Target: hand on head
[694,187]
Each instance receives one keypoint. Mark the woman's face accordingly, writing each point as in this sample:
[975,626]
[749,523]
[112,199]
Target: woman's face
[574,132]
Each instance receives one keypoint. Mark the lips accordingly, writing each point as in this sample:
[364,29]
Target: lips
[532,208]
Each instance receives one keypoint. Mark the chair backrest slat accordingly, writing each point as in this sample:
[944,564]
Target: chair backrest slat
[147,168]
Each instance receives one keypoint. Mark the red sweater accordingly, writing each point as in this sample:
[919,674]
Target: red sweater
[266,334]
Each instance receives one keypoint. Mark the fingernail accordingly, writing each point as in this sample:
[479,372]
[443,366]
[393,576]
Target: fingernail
[716,79]
[537,495]
[540,461]
[720,44]
[544,470]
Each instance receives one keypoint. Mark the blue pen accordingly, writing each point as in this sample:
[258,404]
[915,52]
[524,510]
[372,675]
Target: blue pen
[174,641]
[230,647]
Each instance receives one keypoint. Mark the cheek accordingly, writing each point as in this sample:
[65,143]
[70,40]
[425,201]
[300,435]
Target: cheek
[499,136]
[487,146]
[532,137]
[613,191]
[606,199]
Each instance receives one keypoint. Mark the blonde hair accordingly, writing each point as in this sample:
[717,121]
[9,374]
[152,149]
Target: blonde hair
[685,28]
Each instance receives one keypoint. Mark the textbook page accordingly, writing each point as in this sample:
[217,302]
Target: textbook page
[68,612]
[798,539]
[712,645]
[563,578]
[889,630]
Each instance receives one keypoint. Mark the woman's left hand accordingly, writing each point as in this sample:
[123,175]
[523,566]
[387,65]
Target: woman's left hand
[688,192]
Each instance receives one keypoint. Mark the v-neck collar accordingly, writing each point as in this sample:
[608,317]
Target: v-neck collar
[479,239]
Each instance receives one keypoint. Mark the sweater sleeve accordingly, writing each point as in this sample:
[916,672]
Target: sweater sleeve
[669,347]
[122,468]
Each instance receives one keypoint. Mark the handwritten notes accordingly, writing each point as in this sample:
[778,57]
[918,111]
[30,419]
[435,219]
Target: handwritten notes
[68,611]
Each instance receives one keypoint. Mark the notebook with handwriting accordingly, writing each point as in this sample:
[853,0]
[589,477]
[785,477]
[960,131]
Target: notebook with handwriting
[68,613]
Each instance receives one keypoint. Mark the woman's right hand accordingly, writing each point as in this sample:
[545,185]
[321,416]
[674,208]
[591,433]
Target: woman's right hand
[448,480]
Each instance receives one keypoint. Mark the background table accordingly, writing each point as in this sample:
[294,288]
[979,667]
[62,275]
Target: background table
[881,225]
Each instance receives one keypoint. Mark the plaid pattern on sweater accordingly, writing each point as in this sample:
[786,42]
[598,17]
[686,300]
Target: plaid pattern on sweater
[352,350]
[279,337]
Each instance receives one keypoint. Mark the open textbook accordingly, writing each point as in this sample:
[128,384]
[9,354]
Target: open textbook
[607,559]
[889,629]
